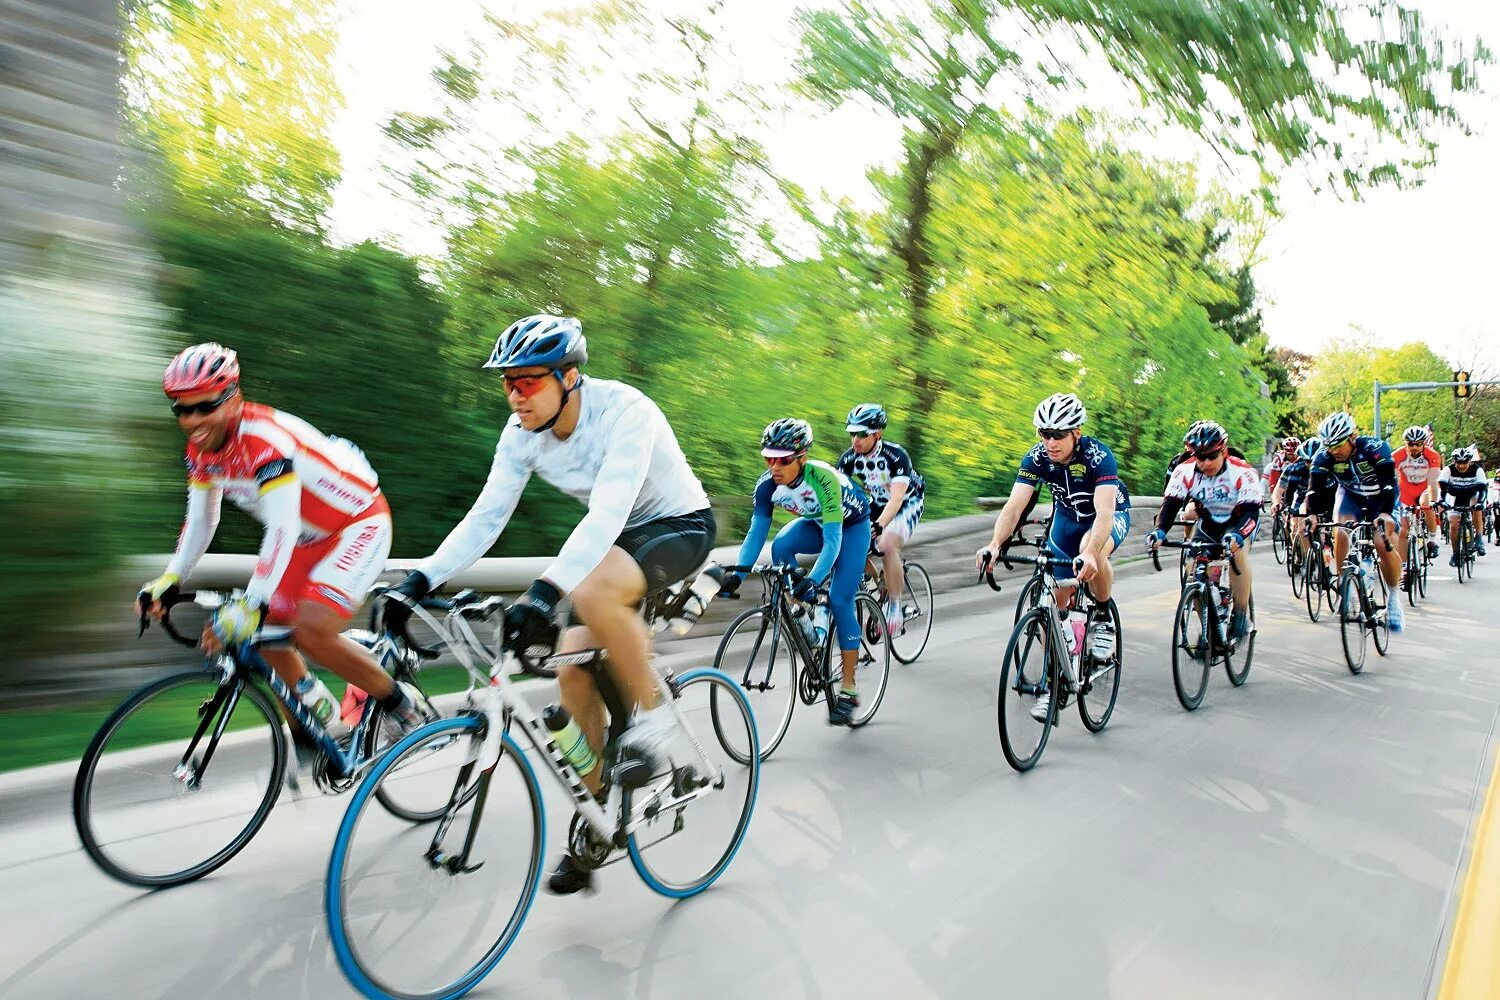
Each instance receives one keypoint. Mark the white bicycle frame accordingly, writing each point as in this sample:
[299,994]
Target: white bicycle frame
[496,696]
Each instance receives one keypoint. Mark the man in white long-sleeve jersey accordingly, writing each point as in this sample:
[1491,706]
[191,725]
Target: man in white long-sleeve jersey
[648,526]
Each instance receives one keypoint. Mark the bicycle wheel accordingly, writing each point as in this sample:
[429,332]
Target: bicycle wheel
[1425,564]
[688,822]
[769,680]
[1183,574]
[1278,540]
[1100,685]
[404,923]
[1312,582]
[1030,597]
[1352,627]
[409,794]
[1412,574]
[1244,650]
[1028,672]
[1192,646]
[179,778]
[916,615]
[1296,568]
[872,666]
[1380,626]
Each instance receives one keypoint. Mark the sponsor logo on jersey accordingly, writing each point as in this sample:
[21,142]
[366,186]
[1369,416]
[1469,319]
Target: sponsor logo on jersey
[1077,470]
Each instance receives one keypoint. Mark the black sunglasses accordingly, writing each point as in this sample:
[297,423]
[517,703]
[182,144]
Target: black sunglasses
[205,407]
[1052,435]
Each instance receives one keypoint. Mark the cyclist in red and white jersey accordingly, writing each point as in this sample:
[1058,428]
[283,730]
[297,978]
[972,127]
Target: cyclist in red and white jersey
[1417,469]
[1279,461]
[327,526]
[1227,492]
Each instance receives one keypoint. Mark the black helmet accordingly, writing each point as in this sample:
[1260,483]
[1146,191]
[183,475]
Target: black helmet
[787,436]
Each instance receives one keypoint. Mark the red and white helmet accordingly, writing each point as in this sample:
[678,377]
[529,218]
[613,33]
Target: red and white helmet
[201,368]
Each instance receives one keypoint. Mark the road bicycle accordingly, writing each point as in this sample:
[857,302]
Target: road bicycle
[1045,665]
[916,606]
[1418,558]
[783,665]
[183,774]
[1466,550]
[1362,593]
[1200,626]
[413,913]
[1319,579]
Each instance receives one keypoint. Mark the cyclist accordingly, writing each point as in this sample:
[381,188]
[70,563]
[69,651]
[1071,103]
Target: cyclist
[648,526]
[885,472]
[1227,492]
[832,519]
[327,528]
[1291,492]
[1361,471]
[1090,510]
[1417,468]
[1465,481]
[1280,461]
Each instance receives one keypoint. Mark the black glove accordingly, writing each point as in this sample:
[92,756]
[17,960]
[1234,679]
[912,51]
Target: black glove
[729,586]
[530,623]
[805,590]
[394,615]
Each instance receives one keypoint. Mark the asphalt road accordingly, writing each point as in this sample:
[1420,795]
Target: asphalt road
[1298,837]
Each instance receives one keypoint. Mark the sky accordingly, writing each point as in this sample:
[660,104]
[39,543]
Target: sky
[1393,267]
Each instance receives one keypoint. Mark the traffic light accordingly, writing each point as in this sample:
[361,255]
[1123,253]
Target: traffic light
[1462,390]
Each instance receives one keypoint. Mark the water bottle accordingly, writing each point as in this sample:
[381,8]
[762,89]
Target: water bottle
[321,704]
[569,739]
[699,594]
[819,625]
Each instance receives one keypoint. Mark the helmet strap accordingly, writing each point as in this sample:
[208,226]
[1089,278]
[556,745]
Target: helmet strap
[566,394]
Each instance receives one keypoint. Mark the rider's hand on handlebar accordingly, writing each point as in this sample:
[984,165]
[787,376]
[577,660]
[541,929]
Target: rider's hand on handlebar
[395,614]
[986,556]
[729,586]
[157,594]
[1154,539]
[530,623]
[805,590]
[1233,541]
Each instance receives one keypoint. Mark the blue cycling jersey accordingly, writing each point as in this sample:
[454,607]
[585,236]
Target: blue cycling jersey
[1368,476]
[1073,482]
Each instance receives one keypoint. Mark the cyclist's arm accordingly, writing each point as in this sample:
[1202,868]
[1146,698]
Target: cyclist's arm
[1020,502]
[1174,497]
[203,504]
[281,506]
[893,505]
[633,436]
[473,536]
[1105,498]
[760,521]
[830,496]
[1321,488]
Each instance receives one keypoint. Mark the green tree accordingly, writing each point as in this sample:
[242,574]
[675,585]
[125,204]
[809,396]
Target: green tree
[234,101]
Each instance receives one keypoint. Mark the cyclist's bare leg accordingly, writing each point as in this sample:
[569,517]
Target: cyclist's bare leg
[580,696]
[1453,530]
[850,659]
[1239,583]
[890,545]
[1390,553]
[607,601]
[320,635]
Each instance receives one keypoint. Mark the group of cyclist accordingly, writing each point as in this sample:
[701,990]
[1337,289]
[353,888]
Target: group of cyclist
[649,526]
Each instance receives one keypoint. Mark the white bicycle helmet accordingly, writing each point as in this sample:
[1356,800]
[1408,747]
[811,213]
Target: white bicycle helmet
[1059,412]
[1335,429]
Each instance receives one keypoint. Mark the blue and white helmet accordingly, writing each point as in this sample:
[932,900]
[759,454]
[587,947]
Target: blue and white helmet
[554,342]
[1310,448]
[866,417]
[785,437]
[1336,428]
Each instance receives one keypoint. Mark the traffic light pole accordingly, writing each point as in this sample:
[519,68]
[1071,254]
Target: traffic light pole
[1379,429]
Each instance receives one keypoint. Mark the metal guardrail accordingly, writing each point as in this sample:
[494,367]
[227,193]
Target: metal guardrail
[514,574]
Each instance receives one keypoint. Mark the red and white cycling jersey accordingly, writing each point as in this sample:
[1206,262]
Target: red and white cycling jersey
[1236,483]
[1274,466]
[303,485]
[1412,471]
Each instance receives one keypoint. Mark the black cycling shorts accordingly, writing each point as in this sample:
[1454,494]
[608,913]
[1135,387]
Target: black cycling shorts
[671,548]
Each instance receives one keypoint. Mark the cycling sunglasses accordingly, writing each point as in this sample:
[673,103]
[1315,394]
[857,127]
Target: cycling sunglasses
[207,406]
[775,460]
[1206,456]
[1051,435]
[525,386]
